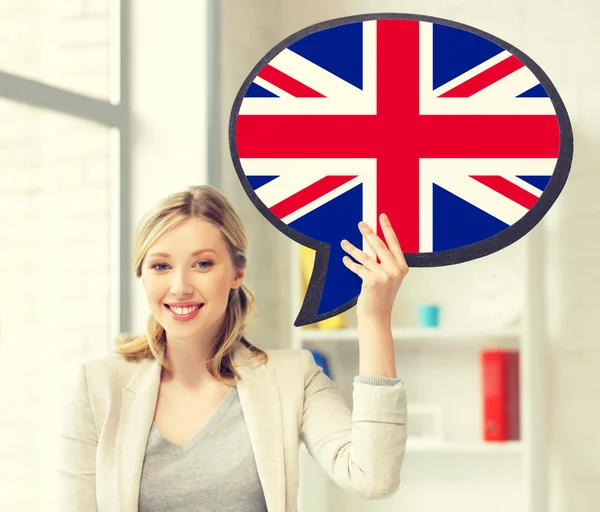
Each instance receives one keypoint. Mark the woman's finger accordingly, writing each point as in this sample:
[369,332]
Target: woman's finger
[392,240]
[385,256]
[363,258]
[359,270]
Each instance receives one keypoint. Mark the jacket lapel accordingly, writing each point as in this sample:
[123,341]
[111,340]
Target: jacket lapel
[261,406]
[137,413]
[259,398]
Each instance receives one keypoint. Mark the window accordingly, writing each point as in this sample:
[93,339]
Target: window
[55,274]
[64,43]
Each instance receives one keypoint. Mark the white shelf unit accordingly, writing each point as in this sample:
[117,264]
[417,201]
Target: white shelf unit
[442,365]
[458,448]
[418,334]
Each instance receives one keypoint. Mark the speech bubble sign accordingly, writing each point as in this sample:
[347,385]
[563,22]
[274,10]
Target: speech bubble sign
[459,137]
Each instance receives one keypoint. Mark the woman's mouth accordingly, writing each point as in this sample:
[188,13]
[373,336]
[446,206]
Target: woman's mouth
[183,314]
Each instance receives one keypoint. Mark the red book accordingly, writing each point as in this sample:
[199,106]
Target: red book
[500,379]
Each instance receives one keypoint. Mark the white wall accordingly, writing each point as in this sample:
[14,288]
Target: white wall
[248,29]
[168,108]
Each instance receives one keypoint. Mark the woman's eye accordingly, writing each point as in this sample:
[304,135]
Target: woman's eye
[204,264]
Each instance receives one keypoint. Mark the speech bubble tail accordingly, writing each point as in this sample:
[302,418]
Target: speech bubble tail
[332,289]
[306,318]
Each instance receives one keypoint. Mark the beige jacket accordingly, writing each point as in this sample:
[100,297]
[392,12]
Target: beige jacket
[288,400]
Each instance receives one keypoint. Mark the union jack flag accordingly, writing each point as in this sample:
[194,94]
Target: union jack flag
[448,133]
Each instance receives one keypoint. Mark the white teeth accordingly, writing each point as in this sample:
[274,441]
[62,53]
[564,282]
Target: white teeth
[183,311]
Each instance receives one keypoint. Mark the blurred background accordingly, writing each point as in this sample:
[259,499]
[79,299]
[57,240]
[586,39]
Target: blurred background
[106,106]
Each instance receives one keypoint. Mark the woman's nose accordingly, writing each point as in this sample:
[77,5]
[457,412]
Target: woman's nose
[181,284]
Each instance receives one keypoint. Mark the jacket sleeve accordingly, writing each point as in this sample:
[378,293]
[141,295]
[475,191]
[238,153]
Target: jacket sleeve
[361,450]
[77,451]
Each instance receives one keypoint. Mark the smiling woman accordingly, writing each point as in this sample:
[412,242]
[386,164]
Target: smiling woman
[195,414]
[167,260]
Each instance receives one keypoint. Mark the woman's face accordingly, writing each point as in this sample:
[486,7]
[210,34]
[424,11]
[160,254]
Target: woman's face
[187,275]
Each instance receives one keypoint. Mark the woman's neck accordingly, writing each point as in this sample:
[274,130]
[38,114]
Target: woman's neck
[187,364]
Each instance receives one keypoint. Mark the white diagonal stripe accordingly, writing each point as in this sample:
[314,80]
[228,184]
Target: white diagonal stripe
[430,103]
[271,88]
[453,175]
[511,85]
[455,82]
[314,76]
[341,98]
[298,173]
[482,197]
[523,184]
[322,200]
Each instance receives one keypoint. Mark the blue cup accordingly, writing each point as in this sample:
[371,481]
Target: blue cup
[429,315]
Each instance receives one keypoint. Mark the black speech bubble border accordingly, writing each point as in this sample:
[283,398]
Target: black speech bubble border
[308,312]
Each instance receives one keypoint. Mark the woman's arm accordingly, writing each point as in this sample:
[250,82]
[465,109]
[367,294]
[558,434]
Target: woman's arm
[363,450]
[77,452]
[381,283]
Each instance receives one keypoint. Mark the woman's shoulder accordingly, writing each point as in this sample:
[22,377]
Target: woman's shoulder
[112,369]
[292,366]
[292,359]
[112,362]
[285,354]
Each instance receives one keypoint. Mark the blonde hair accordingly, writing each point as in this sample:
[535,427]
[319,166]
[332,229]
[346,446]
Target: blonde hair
[210,204]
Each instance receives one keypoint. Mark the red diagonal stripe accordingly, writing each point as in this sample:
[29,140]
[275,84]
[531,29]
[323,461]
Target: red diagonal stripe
[508,189]
[308,195]
[287,83]
[484,79]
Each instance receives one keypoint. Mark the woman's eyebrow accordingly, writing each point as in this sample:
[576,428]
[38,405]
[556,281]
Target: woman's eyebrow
[195,253]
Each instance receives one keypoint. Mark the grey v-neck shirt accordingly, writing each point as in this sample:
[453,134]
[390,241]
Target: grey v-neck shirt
[215,471]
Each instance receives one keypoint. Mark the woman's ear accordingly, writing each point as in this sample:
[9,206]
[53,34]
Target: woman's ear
[238,279]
